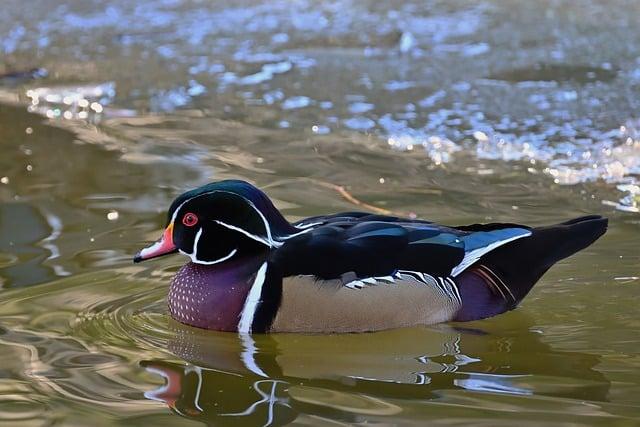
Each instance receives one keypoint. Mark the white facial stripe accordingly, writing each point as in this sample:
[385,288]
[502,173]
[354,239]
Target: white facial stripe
[272,242]
[246,233]
[264,220]
[194,254]
[252,301]
[195,260]
[175,213]
[249,202]
[269,241]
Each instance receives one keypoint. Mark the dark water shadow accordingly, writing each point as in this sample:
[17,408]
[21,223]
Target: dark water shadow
[581,74]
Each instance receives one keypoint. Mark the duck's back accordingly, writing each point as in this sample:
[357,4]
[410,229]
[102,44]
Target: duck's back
[356,272]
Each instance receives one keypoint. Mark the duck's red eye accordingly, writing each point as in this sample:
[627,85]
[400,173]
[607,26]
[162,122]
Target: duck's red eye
[190,219]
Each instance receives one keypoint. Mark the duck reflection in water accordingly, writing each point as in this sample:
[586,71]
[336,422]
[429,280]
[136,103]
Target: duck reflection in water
[274,379]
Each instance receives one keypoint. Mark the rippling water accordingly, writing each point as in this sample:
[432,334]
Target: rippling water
[454,111]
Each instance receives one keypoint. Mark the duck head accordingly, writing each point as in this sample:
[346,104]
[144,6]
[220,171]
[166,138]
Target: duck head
[218,222]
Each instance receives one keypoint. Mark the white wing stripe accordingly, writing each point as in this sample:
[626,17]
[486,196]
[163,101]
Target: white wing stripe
[455,288]
[475,254]
[445,286]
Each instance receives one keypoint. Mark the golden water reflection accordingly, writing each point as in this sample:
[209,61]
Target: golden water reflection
[273,379]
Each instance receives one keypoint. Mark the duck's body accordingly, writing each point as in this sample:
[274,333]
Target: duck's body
[349,272]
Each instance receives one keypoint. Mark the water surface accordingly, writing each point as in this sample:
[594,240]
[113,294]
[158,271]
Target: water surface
[458,112]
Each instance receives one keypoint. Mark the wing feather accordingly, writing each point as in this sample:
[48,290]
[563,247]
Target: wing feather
[366,245]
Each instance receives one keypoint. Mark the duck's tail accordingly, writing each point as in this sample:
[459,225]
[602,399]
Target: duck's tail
[503,277]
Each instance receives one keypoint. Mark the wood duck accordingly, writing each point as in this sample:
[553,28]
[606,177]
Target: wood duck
[253,271]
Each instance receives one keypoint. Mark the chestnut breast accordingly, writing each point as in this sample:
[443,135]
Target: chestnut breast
[208,297]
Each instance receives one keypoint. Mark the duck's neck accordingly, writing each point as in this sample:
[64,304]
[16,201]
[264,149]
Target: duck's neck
[213,297]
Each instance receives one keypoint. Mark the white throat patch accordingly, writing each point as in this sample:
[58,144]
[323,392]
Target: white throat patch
[194,253]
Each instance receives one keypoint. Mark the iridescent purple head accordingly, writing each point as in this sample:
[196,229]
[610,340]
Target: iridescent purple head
[218,222]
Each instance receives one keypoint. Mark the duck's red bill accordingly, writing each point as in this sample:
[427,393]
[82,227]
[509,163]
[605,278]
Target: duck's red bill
[164,246]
